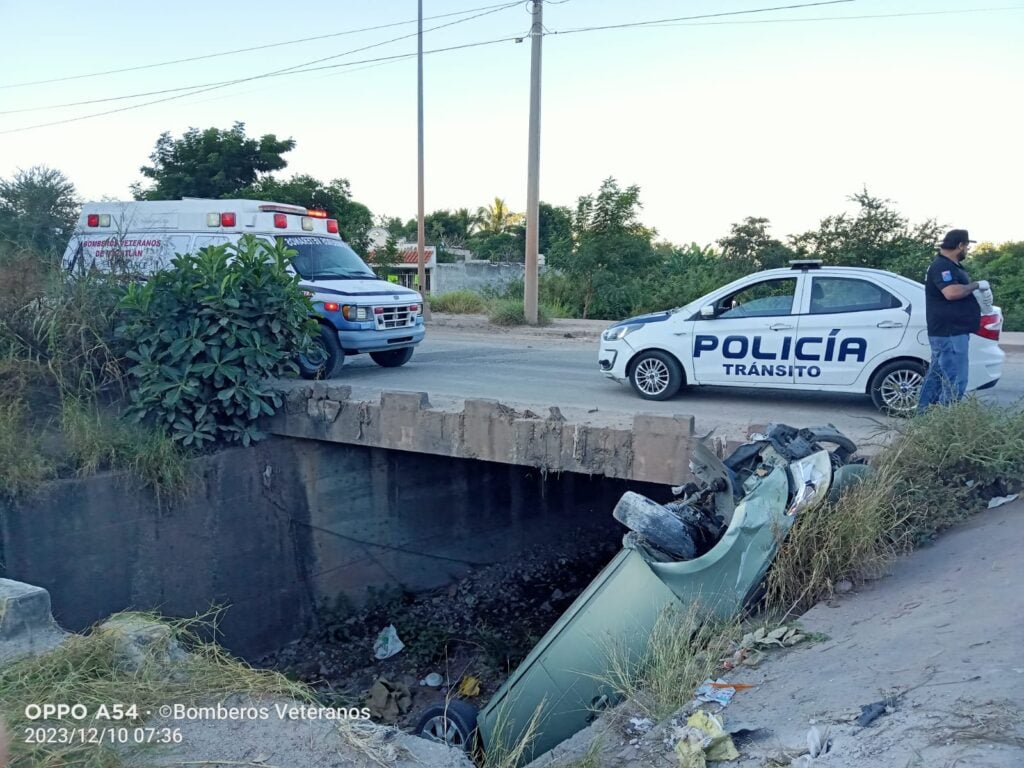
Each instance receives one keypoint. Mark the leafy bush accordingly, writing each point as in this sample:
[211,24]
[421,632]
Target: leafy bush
[207,336]
[459,303]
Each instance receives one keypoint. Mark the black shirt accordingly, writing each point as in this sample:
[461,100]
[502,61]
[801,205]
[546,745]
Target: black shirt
[946,317]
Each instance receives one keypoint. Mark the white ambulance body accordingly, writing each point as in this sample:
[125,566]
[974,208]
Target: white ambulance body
[357,311]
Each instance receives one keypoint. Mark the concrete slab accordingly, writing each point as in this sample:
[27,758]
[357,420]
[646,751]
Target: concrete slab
[26,624]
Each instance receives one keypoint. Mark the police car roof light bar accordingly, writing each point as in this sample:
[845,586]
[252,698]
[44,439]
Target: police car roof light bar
[805,264]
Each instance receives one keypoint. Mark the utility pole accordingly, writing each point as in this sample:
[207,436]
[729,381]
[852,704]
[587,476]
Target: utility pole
[530,278]
[421,271]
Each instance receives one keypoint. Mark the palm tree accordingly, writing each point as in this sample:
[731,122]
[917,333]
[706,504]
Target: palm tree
[496,217]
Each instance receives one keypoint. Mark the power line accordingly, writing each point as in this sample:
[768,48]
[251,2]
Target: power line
[698,16]
[247,50]
[844,18]
[260,77]
[295,69]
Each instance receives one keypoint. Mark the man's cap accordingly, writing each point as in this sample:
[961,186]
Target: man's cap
[953,239]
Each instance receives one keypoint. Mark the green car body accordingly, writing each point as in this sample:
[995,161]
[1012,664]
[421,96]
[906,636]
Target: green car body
[562,683]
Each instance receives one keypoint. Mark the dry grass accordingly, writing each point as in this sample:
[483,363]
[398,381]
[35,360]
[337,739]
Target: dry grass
[97,441]
[507,750]
[22,463]
[683,650]
[88,669]
[938,470]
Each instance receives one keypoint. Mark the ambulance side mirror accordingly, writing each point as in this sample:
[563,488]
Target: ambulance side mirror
[707,311]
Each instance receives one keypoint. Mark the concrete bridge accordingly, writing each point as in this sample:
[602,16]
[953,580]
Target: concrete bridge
[641,447]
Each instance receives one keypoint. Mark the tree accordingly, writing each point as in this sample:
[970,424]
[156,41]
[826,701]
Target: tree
[496,218]
[1003,267]
[876,236]
[335,197]
[554,225]
[749,247]
[38,210]
[210,163]
[610,250]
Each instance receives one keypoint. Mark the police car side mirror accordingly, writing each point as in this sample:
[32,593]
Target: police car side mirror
[707,311]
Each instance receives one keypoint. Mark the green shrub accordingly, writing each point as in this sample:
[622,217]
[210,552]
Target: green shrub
[510,312]
[939,469]
[207,336]
[96,441]
[459,303]
[22,464]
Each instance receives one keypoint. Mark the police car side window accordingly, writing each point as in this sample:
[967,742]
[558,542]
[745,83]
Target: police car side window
[767,298]
[831,295]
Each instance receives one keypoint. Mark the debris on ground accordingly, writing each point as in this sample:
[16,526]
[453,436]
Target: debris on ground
[703,738]
[387,700]
[871,712]
[387,643]
[718,691]
[469,687]
[998,501]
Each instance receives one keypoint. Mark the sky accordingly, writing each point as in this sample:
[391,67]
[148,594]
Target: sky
[782,114]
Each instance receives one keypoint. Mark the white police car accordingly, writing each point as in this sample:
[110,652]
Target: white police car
[808,327]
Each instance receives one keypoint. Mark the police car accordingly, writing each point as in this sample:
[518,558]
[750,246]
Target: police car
[807,327]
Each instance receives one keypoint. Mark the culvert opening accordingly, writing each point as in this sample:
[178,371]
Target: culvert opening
[469,594]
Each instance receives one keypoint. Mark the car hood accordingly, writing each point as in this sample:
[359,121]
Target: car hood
[653,317]
[381,289]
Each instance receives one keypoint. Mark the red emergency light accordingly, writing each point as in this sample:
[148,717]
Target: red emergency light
[227,219]
[280,220]
[332,226]
[316,213]
[93,220]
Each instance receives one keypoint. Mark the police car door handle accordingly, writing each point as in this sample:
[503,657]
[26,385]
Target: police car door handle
[780,327]
[890,324]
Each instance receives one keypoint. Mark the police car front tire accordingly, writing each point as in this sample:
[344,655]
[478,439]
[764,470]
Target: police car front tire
[656,375]
[325,358]
[896,387]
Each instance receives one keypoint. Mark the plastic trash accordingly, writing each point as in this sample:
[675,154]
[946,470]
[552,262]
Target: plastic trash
[870,712]
[717,692]
[998,501]
[433,680]
[387,643]
[818,741]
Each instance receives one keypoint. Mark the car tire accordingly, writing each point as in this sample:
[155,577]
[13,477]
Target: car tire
[326,356]
[452,723]
[656,375]
[393,358]
[896,387]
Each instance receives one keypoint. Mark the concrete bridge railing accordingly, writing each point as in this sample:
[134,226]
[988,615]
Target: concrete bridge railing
[652,449]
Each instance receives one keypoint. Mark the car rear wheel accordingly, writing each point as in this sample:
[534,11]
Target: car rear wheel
[452,723]
[896,387]
[656,375]
[324,357]
[392,358]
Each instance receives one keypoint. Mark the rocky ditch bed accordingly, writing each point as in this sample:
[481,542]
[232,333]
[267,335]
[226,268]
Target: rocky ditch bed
[472,633]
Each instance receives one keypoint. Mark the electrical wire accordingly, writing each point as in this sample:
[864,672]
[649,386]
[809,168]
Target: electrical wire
[247,50]
[698,16]
[258,77]
[204,87]
[842,18]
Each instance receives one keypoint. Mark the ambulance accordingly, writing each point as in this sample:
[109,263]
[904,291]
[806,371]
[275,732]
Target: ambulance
[357,311]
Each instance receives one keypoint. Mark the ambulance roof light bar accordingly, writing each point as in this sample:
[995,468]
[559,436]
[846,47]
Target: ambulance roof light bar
[294,209]
[804,264]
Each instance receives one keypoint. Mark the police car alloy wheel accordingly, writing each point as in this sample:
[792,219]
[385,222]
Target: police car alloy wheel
[656,375]
[896,387]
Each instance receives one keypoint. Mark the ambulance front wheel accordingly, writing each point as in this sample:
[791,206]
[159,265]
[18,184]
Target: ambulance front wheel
[324,358]
[656,375]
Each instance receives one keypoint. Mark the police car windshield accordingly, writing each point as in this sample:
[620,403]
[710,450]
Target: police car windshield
[324,258]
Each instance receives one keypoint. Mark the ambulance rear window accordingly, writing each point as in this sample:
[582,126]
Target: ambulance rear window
[325,258]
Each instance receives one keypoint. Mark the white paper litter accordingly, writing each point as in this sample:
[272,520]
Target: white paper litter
[998,501]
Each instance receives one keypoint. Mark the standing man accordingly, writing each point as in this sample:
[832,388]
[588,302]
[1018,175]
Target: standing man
[953,314]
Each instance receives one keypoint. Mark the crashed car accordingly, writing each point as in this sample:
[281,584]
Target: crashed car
[709,549]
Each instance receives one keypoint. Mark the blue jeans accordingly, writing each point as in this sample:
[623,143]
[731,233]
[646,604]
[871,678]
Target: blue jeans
[946,381]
